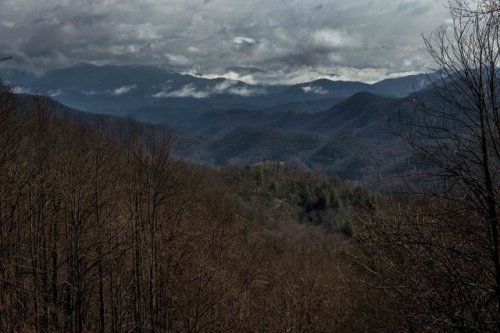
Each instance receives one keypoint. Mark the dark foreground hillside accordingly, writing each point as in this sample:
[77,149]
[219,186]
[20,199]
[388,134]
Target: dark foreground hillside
[102,230]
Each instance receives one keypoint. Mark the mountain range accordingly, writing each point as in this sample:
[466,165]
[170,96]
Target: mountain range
[125,89]
[343,128]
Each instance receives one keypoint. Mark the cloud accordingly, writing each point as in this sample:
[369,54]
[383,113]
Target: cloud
[21,90]
[55,93]
[223,86]
[413,7]
[188,90]
[287,37]
[334,39]
[315,90]
[178,60]
[228,75]
[145,31]
[233,88]
[246,91]
[7,24]
[226,87]
[124,90]
[244,43]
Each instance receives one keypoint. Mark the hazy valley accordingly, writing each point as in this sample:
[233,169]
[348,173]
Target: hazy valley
[346,129]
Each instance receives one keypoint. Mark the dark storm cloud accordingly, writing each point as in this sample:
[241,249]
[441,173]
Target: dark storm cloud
[295,39]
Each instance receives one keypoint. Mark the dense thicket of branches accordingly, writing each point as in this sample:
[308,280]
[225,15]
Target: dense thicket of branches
[436,252]
[102,230]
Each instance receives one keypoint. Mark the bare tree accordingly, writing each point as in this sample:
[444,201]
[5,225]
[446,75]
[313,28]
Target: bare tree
[438,254]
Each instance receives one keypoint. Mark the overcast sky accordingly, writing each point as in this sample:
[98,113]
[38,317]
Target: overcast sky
[292,40]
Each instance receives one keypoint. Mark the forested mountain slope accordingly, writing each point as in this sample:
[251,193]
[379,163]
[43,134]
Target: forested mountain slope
[103,229]
[364,124]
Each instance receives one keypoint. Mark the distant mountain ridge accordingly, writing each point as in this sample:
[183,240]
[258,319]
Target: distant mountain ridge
[122,90]
[343,128]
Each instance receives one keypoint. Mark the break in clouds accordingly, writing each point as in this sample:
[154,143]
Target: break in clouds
[276,41]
